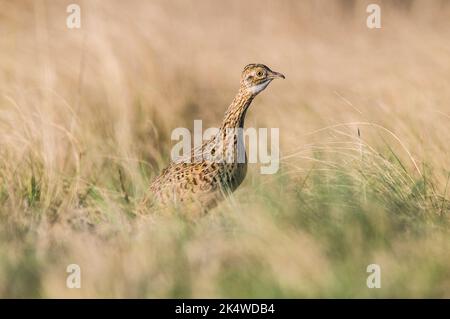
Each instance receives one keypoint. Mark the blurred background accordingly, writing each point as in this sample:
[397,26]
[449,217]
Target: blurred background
[85,121]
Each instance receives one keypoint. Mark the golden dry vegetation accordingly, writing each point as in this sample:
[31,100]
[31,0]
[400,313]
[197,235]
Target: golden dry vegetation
[85,122]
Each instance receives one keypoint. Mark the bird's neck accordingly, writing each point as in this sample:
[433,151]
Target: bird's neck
[230,136]
[235,114]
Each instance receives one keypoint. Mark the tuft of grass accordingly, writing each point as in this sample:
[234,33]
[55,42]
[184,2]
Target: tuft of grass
[34,192]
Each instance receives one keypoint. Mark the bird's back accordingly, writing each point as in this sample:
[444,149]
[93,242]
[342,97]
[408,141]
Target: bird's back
[201,179]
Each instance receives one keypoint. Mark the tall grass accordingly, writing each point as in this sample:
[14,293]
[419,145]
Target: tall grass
[85,123]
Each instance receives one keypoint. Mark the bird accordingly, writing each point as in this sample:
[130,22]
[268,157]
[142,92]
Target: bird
[214,170]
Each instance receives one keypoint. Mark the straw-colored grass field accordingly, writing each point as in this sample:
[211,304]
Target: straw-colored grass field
[85,122]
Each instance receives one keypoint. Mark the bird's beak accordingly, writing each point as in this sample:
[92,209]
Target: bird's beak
[276,75]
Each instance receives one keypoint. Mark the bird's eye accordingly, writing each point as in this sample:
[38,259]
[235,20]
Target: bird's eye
[260,73]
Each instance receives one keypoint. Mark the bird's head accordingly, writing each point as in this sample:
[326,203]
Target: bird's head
[256,77]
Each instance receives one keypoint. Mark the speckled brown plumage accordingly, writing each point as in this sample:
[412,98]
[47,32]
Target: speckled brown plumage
[213,170]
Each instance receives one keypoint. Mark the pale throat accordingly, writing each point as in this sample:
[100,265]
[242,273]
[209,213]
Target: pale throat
[259,87]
